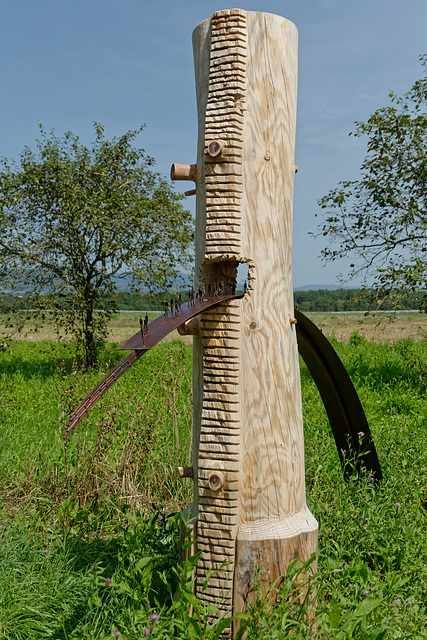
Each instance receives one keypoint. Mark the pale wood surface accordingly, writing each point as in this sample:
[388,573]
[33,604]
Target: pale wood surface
[247,397]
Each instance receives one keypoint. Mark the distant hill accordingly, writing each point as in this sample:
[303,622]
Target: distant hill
[325,287]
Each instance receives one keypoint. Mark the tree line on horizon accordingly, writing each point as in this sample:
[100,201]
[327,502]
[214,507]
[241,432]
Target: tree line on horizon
[311,301]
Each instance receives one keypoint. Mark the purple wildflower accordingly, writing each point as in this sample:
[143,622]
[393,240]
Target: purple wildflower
[116,634]
[364,528]
[154,616]
[409,604]
[397,504]
[147,631]
[366,592]
[108,581]
[361,433]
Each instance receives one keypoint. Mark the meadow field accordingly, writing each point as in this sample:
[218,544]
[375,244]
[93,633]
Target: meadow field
[89,526]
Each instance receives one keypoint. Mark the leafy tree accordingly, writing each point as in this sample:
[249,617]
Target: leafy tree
[381,219]
[75,220]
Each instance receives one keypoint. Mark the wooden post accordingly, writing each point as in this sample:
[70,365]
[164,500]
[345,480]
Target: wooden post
[248,458]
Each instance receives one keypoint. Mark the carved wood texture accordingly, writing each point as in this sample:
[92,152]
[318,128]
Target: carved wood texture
[225,121]
[219,450]
[220,433]
[247,398]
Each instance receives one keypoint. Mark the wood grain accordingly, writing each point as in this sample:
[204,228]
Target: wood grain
[247,396]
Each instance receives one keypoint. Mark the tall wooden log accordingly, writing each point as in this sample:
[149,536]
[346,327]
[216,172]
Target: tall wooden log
[249,486]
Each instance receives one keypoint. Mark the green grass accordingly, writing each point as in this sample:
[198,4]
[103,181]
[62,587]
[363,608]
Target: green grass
[89,531]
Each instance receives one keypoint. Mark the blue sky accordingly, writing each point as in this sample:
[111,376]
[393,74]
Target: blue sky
[67,63]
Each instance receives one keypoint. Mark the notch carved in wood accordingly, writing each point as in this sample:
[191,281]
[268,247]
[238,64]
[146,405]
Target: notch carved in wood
[190,327]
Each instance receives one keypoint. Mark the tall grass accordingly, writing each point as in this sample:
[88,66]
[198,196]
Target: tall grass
[129,446]
[89,527]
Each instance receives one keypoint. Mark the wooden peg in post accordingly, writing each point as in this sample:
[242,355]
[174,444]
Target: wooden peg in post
[184,172]
[292,320]
[186,472]
[216,480]
[215,148]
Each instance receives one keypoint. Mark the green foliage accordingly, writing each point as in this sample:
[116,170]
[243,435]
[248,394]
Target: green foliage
[142,423]
[81,560]
[381,219]
[76,219]
[347,300]
[356,339]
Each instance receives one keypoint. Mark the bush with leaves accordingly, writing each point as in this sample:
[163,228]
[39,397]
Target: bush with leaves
[381,219]
[76,220]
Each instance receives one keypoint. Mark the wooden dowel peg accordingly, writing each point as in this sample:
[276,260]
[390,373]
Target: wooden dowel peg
[216,480]
[186,472]
[215,148]
[183,172]
[292,320]
[192,192]
[296,168]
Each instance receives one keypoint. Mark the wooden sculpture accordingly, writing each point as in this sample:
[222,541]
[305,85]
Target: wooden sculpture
[249,503]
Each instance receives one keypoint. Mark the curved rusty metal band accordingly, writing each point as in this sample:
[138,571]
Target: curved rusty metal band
[140,343]
[342,404]
[86,405]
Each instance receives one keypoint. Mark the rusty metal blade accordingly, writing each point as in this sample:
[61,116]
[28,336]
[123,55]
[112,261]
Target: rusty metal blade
[161,326]
[140,343]
[92,398]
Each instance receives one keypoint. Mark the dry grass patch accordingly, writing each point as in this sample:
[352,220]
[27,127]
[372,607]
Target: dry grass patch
[382,327]
[122,326]
[390,327]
